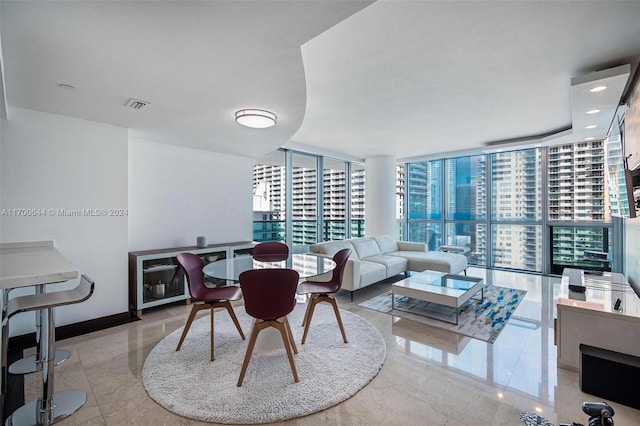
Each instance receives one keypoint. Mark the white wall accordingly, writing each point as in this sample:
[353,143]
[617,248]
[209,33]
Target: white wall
[54,162]
[172,194]
[177,194]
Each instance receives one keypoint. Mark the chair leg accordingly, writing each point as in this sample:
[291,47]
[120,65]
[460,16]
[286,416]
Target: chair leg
[290,335]
[306,312]
[334,303]
[252,342]
[227,305]
[312,306]
[287,346]
[212,330]
[192,315]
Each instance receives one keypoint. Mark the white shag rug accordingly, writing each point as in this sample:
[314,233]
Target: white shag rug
[330,371]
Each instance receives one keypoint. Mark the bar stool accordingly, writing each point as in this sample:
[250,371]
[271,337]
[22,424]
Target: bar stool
[32,363]
[51,407]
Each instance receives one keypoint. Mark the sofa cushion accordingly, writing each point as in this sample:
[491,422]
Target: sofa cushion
[371,272]
[394,264]
[449,263]
[386,243]
[411,246]
[366,247]
[330,248]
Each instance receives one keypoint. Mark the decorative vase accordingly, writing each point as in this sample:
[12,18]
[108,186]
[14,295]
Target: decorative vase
[201,242]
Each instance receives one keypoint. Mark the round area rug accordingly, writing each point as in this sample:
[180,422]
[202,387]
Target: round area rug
[330,371]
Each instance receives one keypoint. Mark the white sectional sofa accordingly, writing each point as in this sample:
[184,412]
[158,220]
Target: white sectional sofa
[375,258]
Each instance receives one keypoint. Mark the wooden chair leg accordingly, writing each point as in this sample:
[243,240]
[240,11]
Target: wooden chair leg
[212,329]
[287,346]
[227,305]
[312,306]
[192,315]
[290,335]
[306,312]
[334,303]
[247,356]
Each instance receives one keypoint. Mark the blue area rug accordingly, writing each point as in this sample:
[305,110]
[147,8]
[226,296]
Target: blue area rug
[532,419]
[483,320]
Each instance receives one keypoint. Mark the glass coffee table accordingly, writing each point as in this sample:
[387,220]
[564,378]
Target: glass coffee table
[435,287]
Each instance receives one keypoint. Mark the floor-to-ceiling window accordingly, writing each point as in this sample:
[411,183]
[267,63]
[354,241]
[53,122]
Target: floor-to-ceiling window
[516,209]
[423,182]
[535,209]
[335,202]
[357,200]
[579,214]
[465,192]
[269,189]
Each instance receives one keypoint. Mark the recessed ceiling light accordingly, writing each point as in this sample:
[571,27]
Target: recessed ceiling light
[592,126]
[66,86]
[590,138]
[598,89]
[538,144]
[593,111]
[256,118]
[498,150]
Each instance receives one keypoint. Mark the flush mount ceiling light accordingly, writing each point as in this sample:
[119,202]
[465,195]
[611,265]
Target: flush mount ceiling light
[592,126]
[256,118]
[593,111]
[598,89]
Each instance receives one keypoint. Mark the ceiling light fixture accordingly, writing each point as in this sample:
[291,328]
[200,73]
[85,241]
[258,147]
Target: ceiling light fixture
[598,89]
[593,111]
[590,138]
[256,118]
[593,126]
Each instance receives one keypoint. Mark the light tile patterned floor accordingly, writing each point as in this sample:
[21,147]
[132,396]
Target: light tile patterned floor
[430,377]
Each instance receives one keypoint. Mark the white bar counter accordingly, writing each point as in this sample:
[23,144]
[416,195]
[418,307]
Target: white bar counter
[32,263]
[25,264]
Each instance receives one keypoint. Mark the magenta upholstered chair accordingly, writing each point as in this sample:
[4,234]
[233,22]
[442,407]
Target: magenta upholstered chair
[211,298]
[320,291]
[269,296]
[271,251]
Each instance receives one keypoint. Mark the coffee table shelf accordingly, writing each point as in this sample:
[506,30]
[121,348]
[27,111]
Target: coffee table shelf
[442,289]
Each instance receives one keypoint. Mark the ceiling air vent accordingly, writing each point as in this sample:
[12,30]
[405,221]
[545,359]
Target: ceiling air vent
[136,103]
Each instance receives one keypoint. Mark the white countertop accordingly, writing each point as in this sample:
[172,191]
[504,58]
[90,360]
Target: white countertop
[30,263]
[600,295]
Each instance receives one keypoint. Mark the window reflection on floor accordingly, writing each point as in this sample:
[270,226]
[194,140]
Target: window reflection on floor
[522,359]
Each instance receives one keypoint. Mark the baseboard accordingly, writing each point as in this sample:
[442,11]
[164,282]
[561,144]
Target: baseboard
[71,330]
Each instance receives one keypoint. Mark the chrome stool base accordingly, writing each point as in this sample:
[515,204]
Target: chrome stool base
[29,364]
[65,403]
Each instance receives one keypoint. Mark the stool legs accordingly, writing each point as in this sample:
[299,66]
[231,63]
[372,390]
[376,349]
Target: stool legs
[51,407]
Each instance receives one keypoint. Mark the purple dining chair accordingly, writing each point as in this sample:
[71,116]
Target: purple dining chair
[272,251]
[211,297]
[269,296]
[324,291]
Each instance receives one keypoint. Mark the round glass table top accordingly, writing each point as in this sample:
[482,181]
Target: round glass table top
[305,264]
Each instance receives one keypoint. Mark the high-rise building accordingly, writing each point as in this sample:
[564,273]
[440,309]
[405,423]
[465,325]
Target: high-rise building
[269,203]
[578,193]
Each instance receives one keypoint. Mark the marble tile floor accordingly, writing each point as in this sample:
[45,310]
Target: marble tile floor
[430,376]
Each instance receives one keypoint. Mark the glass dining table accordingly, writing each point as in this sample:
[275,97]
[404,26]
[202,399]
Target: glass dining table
[305,264]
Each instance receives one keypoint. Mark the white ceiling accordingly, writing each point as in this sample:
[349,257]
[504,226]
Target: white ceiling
[356,78]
